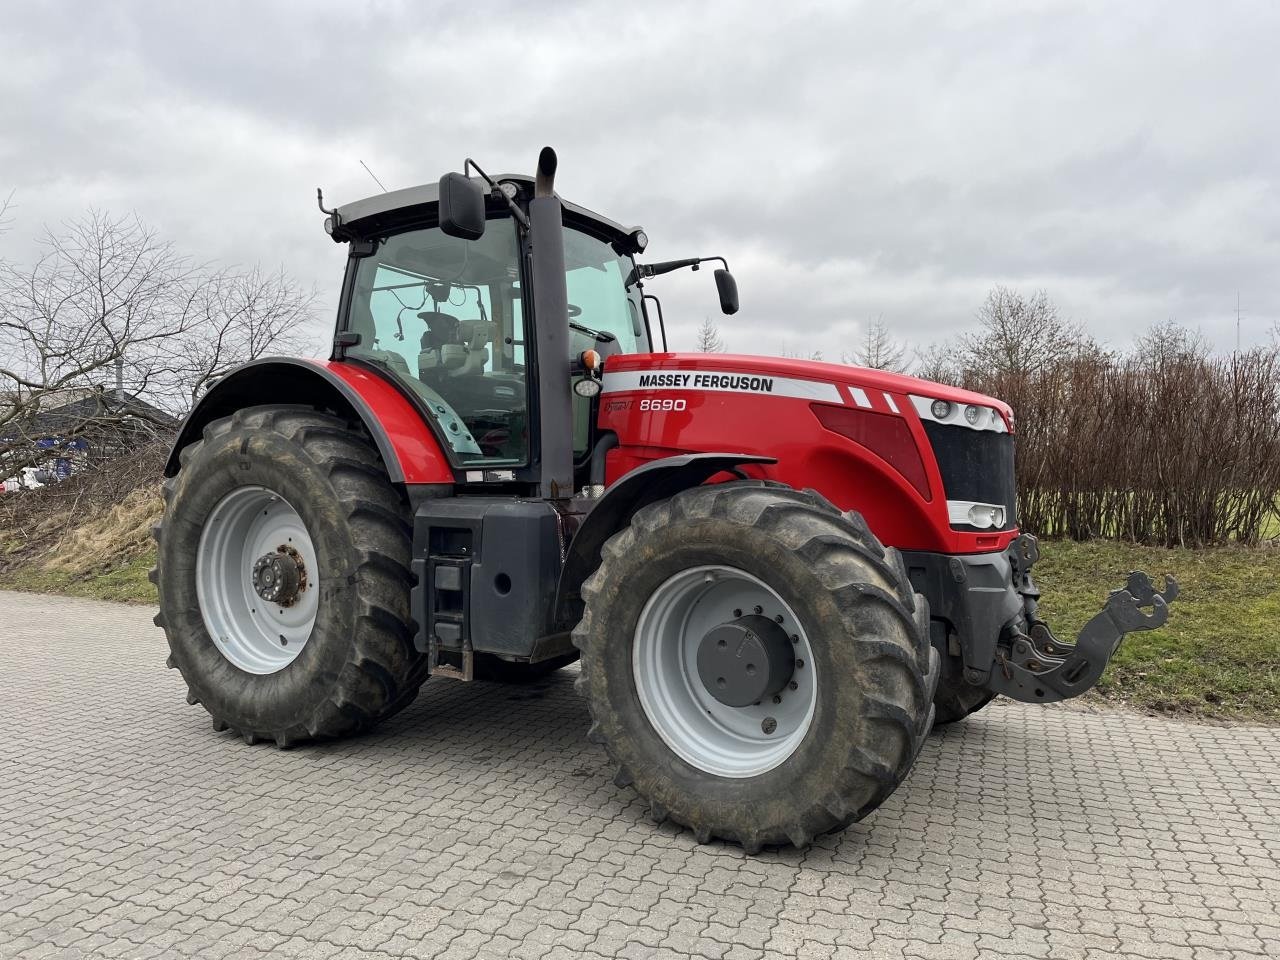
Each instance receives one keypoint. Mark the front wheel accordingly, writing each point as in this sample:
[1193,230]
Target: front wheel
[756,663]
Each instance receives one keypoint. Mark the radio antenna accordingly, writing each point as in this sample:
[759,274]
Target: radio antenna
[371,173]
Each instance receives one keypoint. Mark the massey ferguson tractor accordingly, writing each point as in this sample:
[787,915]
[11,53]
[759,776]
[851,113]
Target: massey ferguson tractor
[778,574]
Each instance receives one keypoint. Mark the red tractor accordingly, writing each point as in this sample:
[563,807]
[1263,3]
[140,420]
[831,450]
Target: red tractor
[778,574]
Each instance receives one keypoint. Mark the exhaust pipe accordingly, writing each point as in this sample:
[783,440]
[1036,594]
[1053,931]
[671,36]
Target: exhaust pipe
[551,321]
[544,181]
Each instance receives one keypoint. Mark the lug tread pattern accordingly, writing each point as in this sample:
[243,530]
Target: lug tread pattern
[383,670]
[869,585]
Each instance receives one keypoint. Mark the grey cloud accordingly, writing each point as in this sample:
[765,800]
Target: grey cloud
[850,160]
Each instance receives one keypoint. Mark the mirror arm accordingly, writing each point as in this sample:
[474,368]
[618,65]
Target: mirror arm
[647,270]
[511,204]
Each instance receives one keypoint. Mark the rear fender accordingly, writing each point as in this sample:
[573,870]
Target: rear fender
[407,447]
[655,481]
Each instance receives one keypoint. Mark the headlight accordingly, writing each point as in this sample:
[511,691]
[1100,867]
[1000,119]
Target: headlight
[984,516]
[968,416]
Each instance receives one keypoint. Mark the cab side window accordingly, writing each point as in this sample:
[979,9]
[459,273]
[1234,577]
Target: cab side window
[440,314]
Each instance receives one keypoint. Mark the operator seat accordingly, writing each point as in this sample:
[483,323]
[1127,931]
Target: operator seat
[452,347]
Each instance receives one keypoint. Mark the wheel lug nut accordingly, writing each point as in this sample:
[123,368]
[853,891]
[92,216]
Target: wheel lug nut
[778,618]
[777,699]
[793,685]
[737,613]
[759,609]
[768,725]
[795,638]
[799,664]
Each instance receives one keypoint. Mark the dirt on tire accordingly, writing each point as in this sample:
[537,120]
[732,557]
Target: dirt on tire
[359,665]
[869,635]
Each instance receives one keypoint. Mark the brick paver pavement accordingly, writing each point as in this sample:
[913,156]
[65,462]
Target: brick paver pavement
[481,823]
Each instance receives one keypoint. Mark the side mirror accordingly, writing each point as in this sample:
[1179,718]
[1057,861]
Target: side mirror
[728,288]
[461,207]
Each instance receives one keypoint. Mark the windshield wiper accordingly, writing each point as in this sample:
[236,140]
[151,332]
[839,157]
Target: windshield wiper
[602,335]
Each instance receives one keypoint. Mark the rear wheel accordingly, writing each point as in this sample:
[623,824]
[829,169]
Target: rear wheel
[755,662]
[283,574]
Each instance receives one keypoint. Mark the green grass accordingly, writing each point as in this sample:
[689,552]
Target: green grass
[126,582]
[1218,657]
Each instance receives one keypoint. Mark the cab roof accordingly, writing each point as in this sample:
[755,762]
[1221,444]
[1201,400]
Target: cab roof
[385,212]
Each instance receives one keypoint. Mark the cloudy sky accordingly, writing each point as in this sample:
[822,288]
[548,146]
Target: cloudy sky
[851,161]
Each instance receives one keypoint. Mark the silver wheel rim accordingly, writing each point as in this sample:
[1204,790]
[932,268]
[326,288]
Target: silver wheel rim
[256,635]
[702,731]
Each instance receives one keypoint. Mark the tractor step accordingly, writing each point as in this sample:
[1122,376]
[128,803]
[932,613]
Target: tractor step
[438,668]
[448,627]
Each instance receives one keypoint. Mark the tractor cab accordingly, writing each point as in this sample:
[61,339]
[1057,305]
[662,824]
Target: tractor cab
[454,321]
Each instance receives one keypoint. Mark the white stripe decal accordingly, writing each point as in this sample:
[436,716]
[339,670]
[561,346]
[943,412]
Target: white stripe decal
[860,397]
[721,381]
[888,398]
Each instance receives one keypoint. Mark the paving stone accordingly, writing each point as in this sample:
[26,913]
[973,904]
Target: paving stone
[481,824]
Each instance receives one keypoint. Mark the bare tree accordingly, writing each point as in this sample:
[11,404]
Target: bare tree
[878,349]
[111,333]
[709,340]
[937,362]
[1168,340]
[240,317]
[5,218]
[801,355]
[1019,336]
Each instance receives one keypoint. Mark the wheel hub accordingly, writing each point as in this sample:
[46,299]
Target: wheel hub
[745,661]
[280,576]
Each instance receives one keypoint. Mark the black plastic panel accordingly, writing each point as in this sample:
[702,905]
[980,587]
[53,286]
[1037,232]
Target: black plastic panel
[511,549]
[976,465]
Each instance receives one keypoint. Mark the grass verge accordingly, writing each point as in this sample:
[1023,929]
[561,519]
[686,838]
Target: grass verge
[1218,657]
[125,582]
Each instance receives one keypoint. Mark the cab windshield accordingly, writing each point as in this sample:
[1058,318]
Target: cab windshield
[446,316]
[599,296]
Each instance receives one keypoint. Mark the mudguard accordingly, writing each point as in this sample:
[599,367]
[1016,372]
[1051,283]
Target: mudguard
[654,481]
[404,440]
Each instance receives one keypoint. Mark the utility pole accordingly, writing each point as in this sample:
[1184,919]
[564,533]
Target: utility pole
[1237,321]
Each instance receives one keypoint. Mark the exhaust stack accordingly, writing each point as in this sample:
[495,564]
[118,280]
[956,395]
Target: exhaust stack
[551,319]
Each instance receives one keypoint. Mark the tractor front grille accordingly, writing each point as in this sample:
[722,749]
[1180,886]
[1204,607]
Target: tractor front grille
[976,465]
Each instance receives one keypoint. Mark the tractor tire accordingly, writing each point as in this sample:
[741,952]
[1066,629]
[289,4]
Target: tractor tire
[842,731]
[955,698]
[496,670]
[308,492]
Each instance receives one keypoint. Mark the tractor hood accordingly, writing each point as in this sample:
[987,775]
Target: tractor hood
[811,379]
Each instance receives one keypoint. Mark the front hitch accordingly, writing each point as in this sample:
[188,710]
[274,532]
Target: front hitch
[1034,666]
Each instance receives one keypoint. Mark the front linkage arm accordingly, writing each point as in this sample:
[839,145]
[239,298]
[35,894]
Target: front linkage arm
[1033,665]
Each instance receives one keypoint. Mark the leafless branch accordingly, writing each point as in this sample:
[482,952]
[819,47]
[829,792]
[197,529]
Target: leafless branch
[111,333]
